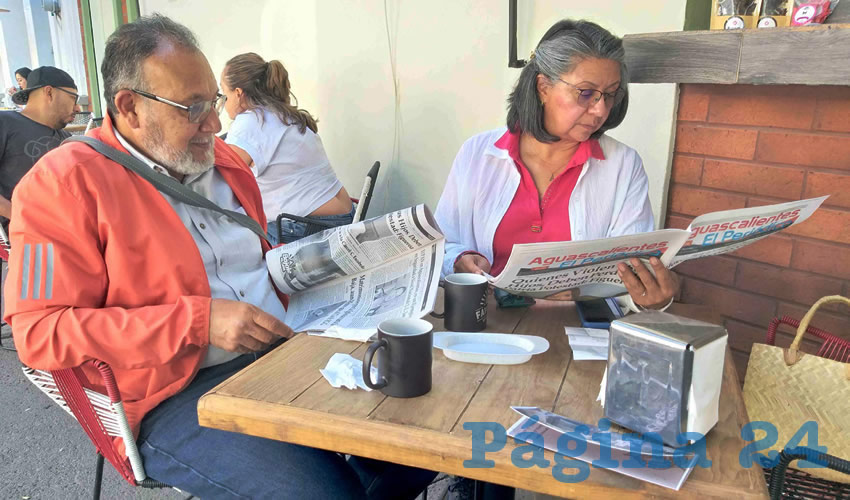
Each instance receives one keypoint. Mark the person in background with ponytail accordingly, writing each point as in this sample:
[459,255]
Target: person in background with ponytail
[552,174]
[21,75]
[280,144]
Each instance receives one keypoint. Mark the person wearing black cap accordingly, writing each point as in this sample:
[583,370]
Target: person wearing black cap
[25,136]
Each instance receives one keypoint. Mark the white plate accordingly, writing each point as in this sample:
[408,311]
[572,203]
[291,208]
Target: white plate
[489,348]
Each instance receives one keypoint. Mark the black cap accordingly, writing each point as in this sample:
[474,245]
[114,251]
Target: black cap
[40,77]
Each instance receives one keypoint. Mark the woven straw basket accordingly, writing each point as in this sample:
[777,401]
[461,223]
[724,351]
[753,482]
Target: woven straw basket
[787,388]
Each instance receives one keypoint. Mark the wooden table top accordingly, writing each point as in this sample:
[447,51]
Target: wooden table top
[283,396]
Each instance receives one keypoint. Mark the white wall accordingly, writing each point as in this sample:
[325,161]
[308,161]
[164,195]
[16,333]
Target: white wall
[450,67]
[68,42]
[15,35]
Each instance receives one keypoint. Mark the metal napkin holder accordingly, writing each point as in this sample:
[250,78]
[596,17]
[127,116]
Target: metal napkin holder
[664,375]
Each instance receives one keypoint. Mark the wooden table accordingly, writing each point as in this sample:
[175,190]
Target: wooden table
[283,396]
[76,127]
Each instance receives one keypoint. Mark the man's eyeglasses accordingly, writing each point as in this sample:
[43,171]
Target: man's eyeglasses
[197,111]
[76,96]
[588,97]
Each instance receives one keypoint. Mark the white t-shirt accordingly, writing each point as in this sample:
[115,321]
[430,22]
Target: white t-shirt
[292,169]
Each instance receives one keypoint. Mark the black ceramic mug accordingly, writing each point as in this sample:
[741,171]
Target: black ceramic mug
[465,301]
[404,358]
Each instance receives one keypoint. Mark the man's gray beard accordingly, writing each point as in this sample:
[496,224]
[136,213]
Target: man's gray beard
[181,162]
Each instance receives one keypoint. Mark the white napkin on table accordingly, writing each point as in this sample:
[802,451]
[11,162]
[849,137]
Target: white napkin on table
[338,332]
[344,370]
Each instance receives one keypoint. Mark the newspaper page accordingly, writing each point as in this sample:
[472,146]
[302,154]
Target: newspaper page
[663,465]
[722,232]
[587,268]
[358,275]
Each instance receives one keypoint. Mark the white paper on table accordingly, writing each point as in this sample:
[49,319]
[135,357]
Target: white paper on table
[588,343]
[338,332]
[344,370]
[601,396]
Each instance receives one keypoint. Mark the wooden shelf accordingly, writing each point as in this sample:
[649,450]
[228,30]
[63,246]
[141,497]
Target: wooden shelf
[808,55]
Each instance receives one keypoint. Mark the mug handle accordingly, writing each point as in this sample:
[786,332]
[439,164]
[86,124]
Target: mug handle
[442,315]
[367,365]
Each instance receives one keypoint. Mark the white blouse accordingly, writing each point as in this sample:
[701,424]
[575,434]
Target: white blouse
[611,197]
[292,169]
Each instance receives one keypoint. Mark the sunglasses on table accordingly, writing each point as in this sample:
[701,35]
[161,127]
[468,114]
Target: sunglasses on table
[197,111]
[588,97]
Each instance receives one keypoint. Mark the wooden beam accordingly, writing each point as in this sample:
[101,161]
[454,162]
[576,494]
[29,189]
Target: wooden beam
[809,55]
[683,57]
[817,55]
[841,14]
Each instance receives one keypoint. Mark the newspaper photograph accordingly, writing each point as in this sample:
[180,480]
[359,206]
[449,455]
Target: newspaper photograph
[348,250]
[405,287]
[722,232]
[358,275]
[586,268]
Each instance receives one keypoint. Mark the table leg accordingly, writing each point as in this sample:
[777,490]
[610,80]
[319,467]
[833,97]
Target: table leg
[490,491]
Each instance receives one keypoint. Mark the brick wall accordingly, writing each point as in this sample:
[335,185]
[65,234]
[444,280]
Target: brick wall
[743,145]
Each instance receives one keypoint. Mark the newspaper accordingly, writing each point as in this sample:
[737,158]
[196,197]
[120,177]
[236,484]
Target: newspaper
[627,454]
[588,269]
[361,274]
[722,232]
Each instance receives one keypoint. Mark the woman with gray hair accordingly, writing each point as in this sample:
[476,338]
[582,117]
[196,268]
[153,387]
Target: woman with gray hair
[552,174]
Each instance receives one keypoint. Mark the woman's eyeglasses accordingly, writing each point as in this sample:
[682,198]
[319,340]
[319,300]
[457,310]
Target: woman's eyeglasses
[588,97]
[197,111]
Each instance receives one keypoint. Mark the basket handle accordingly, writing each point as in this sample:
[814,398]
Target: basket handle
[793,354]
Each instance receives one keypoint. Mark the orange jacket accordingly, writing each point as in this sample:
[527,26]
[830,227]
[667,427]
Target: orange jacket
[111,272]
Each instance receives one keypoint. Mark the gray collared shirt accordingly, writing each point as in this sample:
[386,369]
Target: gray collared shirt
[233,258]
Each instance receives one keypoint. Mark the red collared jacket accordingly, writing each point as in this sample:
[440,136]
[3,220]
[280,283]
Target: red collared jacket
[103,268]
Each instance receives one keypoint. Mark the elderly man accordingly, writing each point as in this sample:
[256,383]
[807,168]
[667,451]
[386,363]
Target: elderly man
[51,99]
[174,297]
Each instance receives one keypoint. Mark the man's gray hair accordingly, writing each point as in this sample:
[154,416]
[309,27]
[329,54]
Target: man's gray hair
[130,45]
[562,48]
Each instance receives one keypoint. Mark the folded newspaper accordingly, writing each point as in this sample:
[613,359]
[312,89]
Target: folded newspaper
[627,454]
[589,268]
[361,274]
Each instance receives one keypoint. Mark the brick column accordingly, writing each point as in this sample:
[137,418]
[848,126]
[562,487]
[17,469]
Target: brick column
[742,146]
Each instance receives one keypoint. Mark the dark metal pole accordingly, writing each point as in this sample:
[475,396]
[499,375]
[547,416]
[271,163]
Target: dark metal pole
[513,62]
[98,476]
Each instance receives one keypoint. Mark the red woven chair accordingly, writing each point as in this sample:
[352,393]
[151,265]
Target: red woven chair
[101,416]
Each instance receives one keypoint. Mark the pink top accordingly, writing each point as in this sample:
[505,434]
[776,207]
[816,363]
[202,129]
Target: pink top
[530,218]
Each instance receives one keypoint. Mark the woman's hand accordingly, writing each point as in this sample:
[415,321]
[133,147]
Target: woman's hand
[472,263]
[646,290]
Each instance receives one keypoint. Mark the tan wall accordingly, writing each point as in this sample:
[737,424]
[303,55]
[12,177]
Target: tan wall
[451,68]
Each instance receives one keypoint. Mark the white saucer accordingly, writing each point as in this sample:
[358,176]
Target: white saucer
[489,348]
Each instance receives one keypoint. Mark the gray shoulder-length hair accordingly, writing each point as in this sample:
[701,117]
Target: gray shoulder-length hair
[565,45]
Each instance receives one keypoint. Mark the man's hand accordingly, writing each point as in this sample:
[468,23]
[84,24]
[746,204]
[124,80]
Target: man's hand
[5,208]
[243,328]
[651,292]
[472,263]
